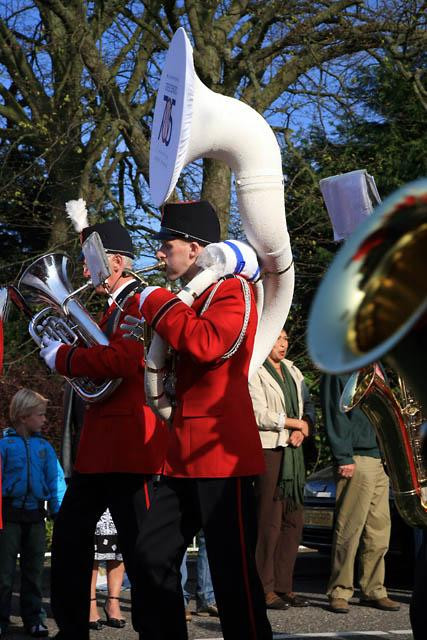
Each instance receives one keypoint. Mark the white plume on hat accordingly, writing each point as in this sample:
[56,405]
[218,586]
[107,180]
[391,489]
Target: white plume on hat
[77,212]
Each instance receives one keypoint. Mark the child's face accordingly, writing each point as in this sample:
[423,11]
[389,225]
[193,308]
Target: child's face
[34,421]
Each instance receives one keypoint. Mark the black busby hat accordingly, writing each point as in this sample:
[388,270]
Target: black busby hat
[115,238]
[195,220]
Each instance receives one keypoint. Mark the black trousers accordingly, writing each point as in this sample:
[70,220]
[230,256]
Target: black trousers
[225,510]
[27,539]
[87,496]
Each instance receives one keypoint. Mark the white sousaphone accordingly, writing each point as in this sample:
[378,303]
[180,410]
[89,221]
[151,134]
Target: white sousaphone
[192,122]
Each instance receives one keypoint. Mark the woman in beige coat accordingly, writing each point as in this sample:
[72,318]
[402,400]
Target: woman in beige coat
[285,416]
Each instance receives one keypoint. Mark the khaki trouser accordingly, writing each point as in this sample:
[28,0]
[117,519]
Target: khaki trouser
[362,522]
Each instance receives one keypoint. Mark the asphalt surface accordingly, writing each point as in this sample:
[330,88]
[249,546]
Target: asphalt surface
[311,623]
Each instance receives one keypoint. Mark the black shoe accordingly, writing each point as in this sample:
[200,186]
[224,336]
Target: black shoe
[207,610]
[95,625]
[38,630]
[293,600]
[117,623]
[273,601]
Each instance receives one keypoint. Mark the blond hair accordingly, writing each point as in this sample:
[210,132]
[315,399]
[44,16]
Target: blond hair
[25,402]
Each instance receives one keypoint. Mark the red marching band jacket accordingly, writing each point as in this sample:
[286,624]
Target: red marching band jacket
[214,432]
[120,434]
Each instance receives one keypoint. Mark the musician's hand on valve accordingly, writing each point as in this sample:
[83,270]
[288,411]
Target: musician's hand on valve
[45,330]
[133,327]
[49,350]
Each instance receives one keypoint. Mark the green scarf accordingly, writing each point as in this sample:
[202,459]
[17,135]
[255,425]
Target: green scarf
[291,479]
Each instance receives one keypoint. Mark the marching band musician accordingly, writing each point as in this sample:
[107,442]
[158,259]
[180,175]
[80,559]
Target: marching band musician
[121,445]
[214,447]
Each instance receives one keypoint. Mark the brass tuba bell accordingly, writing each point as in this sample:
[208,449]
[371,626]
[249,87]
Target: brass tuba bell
[372,302]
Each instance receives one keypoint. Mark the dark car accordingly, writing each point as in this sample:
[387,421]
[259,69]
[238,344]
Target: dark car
[319,506]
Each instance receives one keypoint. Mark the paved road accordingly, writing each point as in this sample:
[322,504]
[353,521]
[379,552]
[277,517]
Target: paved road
[312,623]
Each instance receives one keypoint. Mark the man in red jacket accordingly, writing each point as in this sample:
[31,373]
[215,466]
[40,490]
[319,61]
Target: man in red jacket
[121,445]
[214,447]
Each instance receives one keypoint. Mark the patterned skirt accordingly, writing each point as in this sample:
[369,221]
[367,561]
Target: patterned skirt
[105,540]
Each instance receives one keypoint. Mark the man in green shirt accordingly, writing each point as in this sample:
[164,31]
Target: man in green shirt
[362,517]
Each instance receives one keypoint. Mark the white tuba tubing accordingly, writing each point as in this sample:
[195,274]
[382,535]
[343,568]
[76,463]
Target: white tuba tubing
[153,378]
[259,298]
[229,130]
[272,244]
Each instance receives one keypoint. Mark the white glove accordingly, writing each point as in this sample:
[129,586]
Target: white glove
[134,327]
[49,350]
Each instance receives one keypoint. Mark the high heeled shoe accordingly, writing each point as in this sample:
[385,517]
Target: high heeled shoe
[117,623]
[95,625]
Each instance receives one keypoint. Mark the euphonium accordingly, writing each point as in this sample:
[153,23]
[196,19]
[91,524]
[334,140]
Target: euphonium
[65,318]
[398,431]
[372,303]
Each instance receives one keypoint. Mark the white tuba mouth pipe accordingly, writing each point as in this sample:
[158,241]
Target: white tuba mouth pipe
[192,122]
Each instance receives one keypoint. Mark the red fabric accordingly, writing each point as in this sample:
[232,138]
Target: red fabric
[214,431]
[120,434]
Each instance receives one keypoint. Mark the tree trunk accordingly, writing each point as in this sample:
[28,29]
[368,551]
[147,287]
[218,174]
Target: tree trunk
[66,181]
[217,189]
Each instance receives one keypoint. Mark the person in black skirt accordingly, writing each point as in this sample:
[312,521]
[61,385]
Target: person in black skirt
[107,550]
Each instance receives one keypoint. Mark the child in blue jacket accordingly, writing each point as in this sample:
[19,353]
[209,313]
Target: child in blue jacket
[31,476]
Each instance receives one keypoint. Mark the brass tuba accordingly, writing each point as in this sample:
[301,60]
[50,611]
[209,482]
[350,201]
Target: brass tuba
[46,281]
[371,305]
[372,302]
[398,432]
